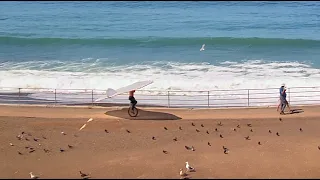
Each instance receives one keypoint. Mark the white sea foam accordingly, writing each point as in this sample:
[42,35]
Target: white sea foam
[173,76]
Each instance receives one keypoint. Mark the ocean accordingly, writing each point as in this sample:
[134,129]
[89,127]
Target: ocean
[100,45]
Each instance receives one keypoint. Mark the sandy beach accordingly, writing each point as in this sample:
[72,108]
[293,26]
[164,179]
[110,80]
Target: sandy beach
[293,153]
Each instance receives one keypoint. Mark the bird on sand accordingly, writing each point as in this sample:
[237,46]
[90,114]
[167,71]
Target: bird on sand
[221,136]
[175,139]
[208,132]
[225,150]
[238,126]
[319,147]
[220,124]
[301,129]
[90,120]
[209,144]
[106,131]
[278,134]
[197,130]
[11,144]
[165,128]
[216,129]
[234,129]
[202,125]
[153,138]
[70,146]
[251,130]
[61,150]
[19,153]
[187,147]
[63,133]
[280,119]
[270,131]
[192,148]
[32,176]
[182,173]
[46,150]
[259,143]
[192,124]
[166,152]
[128,131]
[188,167]
[247,138]
[180,128]
[83,174]
[249,125]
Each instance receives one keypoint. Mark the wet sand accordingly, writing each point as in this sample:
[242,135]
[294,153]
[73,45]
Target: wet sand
[119,154]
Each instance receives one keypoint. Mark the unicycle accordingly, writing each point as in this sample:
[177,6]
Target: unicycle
[133,112]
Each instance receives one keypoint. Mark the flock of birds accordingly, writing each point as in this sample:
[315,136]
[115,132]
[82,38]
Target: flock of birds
[184,174]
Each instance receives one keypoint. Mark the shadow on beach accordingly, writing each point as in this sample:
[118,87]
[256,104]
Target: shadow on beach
[295,111]
[143,115]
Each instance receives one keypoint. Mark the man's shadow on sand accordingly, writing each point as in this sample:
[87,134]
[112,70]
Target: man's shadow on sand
[143,115]
[295,111]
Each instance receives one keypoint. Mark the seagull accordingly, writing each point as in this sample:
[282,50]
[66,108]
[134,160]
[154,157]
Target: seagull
[247,138]
[153,138]
[26,139]
[19,153]
[234,129]
[165,128]
[166,152]
[251,130]
[301,129]
[188,148]
[192,124]
[11,144]
[83,126]
[175,139]
[238,126]
[33,176]
[319,147]
[128,131]
[61,150]
[221,136]
[83,174]
[209,144]
[90,120]
[35,139]
[202,48]
[44,137]
[22,132]
[270,131]
[18,137]
[106,131]
[225,150]
[249,125]
[63,133]
[189,168]
[216,129]
[192,148]
[180,128]
[259,143]
[220,124]
[202,125]
[280,119]
[207,132]
[197,130]
[278,134]
[46,150]
[70,146]
[182,173]
[31,151]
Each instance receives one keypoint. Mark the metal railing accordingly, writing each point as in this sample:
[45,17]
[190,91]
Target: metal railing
[206,99]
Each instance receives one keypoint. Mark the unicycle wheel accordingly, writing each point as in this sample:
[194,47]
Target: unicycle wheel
[133,112]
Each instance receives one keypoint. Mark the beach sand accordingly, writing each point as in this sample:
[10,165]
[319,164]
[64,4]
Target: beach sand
[119,154]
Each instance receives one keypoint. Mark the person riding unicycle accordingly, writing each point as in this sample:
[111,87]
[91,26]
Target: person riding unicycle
[132,100]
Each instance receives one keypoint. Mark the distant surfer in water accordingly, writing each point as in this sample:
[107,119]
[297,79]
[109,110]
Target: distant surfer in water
[132,99]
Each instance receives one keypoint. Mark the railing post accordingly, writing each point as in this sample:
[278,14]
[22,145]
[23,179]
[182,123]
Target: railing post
[168,99]
[19,95]
[92,97]
[248,98]
[208,99]
[55,97]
